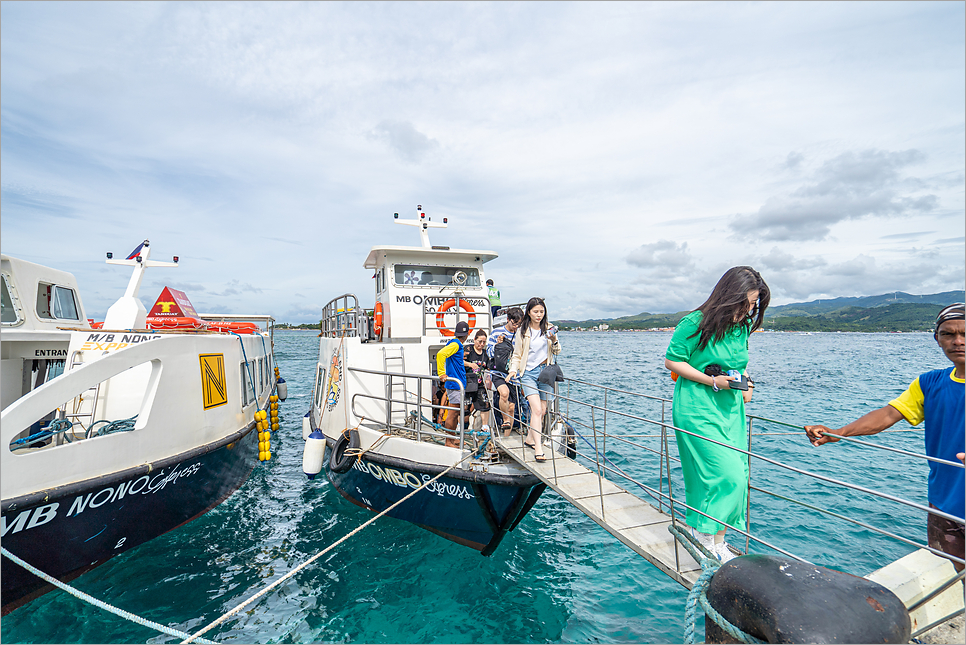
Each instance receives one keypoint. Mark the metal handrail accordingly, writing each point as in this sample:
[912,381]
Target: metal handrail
[345,320]
[599,460]
[419,401]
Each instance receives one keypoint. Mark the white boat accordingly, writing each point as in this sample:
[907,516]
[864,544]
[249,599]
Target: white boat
[112,436]
[370,422]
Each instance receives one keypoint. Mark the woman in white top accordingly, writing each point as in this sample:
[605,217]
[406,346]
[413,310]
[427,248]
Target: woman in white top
[534,346]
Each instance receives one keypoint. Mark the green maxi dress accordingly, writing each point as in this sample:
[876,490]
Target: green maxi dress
[715,477]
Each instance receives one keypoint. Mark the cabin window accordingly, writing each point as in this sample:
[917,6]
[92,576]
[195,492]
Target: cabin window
[378,281]
[8,313]
[320,388]
[412,275]
[56,302]
[246,386]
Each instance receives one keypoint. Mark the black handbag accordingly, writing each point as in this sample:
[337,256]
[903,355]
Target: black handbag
[551,374]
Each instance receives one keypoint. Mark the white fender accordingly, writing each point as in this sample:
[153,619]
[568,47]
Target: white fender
[313,454]
[281,388]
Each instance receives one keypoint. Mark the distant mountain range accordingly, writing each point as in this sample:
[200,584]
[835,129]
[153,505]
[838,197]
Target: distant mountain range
[896,311]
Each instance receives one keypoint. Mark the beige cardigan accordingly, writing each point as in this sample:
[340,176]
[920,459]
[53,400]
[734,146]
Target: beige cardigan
[521,349]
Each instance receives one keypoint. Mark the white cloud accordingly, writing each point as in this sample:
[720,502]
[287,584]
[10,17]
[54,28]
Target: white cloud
[599,148]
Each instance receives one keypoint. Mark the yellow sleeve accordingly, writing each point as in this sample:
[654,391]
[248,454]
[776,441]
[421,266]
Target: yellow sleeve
[442,355]
[910,403]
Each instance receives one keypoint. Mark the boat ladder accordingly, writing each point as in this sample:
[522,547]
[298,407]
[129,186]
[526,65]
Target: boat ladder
[77,408]
[394,361]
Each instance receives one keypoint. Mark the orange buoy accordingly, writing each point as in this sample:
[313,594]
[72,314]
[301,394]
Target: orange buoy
[449,304]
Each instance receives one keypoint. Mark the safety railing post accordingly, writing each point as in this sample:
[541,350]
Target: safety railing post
[670,494]
[748,508]
[419,410]
[660,480]
[597,461]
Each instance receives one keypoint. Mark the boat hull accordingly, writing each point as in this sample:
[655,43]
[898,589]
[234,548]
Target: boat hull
[472,508]
[71,529]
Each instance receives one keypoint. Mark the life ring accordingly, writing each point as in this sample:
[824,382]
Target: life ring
[176,322]
[377,325]
[339,462]
[449,304]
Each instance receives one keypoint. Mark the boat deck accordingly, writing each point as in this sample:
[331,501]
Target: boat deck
[630,519]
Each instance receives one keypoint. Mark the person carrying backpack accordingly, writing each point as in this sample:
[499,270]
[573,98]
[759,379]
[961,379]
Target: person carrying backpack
[499,349]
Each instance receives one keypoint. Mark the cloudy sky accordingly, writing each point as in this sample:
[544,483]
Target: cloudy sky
[619,157]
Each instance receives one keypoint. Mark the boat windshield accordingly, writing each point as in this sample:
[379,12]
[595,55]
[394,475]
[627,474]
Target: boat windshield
[414,275]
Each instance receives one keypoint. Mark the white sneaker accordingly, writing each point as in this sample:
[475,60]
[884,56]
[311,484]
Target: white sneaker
[704,539]
[723,552]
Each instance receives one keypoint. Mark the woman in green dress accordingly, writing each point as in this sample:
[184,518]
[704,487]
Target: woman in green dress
[716,333]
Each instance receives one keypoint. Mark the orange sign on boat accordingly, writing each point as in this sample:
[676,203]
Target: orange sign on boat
[174,304]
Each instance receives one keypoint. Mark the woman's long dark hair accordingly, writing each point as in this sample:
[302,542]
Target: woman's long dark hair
[525,325]
[728,303]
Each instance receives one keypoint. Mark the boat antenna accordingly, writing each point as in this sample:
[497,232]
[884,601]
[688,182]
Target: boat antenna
[423,223]
[129,312]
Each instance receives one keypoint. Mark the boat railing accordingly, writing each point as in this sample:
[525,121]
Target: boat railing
[342,316]
[621,454]
[418,425]
[459,308]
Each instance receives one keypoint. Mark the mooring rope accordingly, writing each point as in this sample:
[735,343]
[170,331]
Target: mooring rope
[94,601]
[709,566]
[240,606]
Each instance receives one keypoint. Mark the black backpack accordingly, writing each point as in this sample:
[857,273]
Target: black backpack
[502,351]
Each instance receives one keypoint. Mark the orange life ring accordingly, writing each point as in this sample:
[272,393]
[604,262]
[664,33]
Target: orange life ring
[449,304]
[377,326]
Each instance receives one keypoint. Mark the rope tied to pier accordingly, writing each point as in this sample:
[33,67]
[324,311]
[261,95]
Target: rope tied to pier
[195,637]
[699,592]
[98,603]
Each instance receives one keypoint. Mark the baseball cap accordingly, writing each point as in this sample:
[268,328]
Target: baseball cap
[462,329]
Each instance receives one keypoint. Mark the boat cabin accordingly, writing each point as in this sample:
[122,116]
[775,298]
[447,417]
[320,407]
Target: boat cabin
[417,290]
[36,304]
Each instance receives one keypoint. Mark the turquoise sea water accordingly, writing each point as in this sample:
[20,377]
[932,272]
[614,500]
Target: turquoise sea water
[558,577]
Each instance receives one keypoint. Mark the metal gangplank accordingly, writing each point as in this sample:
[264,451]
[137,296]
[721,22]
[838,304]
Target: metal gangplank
[636,523]
[621,436]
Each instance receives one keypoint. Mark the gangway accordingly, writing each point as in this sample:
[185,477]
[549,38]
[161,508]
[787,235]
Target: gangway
[636,523]
[621,459]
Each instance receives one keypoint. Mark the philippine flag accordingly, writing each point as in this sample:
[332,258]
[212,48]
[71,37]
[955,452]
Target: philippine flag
[136,252]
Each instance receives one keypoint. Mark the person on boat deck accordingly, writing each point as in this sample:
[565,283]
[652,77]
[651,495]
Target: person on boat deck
[474,361]
[494,295]
[449,367]
[716,333]
[936,397]
[534,346]
[505,400]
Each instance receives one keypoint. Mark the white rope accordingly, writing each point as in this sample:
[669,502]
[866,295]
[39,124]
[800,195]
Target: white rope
[238,608]
[94,601]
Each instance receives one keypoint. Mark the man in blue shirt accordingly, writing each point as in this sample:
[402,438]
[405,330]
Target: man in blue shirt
[452,373]
[936,397]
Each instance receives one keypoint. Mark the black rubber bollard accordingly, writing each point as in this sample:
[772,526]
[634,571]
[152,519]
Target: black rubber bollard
[785,601]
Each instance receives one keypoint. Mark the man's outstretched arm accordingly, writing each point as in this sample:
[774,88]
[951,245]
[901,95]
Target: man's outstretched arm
[871,423]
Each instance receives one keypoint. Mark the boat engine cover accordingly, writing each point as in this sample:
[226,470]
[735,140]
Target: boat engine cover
[786,601]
